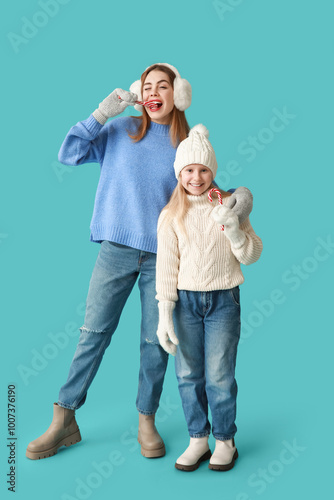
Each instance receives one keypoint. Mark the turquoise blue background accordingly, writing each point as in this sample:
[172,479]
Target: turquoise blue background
[244,59]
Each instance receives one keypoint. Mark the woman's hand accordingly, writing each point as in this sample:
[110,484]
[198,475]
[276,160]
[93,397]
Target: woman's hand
[229,219]
[113,106]
[166,334]
[242,203]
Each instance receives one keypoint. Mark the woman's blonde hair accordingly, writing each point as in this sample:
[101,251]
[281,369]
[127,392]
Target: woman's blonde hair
[179,127]
[179,203]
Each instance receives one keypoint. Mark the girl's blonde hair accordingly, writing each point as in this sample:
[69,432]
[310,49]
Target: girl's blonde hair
[179,203]
[179,127]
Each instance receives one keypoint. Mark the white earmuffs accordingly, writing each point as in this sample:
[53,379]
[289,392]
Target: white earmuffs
[182,90]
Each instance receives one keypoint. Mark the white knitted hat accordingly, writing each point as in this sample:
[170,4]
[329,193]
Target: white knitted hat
[196,148]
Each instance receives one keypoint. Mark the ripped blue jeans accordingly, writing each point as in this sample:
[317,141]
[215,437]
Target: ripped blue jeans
[115,273]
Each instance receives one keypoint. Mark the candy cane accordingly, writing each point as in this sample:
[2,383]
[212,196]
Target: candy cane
[220,199]
[149,104]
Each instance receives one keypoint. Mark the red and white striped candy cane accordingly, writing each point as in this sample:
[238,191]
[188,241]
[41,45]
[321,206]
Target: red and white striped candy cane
[220,199]
[148,104]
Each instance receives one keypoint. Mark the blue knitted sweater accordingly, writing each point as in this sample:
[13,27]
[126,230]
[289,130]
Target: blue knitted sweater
[136,179]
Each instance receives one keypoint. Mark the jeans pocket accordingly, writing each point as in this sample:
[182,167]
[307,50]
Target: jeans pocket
[235,295]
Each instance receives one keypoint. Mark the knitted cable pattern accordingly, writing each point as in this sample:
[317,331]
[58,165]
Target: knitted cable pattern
[203,259]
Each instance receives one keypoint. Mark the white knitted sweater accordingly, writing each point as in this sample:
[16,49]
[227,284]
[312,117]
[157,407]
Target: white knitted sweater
[205,261]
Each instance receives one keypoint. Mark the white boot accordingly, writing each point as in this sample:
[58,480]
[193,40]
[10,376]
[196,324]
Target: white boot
[197,451]
[224,455]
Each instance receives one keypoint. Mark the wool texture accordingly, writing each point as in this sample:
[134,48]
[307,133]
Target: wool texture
[136,178]
[203,259]
[196,149]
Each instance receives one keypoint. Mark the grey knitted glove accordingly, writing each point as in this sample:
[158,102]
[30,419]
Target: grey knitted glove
[229,219]
[241,201]
[166,335]
[113,106]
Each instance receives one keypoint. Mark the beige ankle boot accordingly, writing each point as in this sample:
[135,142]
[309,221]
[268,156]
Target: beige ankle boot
[224,456]
[63,431]
[152,446]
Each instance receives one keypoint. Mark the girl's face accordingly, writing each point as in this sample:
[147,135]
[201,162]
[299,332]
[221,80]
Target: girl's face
[157,86]
[196,179]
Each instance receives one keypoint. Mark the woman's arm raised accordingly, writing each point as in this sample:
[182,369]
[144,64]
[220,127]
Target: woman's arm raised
[85,142]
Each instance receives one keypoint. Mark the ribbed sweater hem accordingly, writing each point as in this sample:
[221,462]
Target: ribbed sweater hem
[123,237]
[218,284]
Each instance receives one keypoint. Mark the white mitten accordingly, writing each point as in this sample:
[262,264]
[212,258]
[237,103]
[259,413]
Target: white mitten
[229,219]
[113,106]
[166,334]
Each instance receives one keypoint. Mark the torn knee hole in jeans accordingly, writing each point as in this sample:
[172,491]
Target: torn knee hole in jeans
[88,330]
[153,342]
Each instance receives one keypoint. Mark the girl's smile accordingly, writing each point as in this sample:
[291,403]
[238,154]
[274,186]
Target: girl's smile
[196,179]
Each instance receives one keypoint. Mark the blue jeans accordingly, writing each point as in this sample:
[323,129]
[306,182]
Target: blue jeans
[208,327]
[115,273]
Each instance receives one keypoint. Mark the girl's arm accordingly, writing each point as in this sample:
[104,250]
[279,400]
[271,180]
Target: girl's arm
[252,246]
[166,284]
[245,244]
[167,262]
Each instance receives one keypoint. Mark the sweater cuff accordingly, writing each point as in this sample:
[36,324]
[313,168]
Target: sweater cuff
[92,126]
[100,117]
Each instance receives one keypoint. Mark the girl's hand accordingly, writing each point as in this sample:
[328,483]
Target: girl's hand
[225,216]
[229,219]
[166,334]
[113,106]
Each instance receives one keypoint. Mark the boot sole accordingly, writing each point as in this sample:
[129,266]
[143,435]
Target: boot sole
[225,466]
[156,453]
[68,441]
[190,468]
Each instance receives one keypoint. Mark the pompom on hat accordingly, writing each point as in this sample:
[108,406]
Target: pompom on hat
[182,89]
[196,148]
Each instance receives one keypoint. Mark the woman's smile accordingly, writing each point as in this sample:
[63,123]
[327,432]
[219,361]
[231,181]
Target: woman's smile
[158,89]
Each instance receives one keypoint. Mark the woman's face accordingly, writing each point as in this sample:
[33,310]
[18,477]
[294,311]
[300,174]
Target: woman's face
[157,86]
[196,179]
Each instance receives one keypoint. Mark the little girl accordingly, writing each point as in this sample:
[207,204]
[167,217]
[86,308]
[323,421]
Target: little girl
[200,248]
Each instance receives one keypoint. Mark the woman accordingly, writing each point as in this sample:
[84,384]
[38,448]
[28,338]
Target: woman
[136,156]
